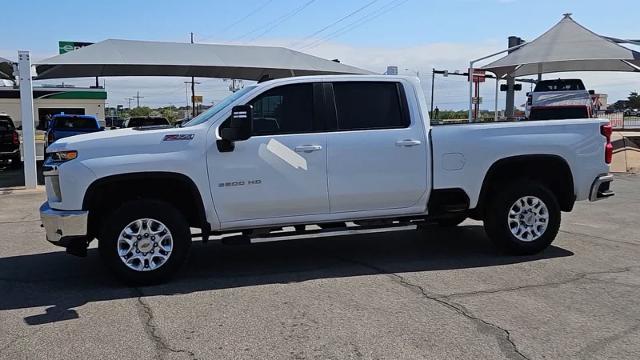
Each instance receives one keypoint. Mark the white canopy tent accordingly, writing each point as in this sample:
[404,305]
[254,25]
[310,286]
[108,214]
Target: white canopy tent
[567,46]
[151,58]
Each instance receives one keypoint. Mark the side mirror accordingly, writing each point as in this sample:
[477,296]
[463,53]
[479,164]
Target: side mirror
[592,92]
[240,125]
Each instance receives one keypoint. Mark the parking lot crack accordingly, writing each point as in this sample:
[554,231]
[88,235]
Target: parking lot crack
[502,335]
[581,276]
[153,332]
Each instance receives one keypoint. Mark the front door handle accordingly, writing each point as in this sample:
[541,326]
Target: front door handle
[308,148]
[408,142]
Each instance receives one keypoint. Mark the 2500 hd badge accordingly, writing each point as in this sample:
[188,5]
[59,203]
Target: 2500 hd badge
[240,183]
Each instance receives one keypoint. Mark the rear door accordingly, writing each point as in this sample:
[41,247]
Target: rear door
[377,157]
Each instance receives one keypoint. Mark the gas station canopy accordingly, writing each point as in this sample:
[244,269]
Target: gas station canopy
[151,58]
[567,46]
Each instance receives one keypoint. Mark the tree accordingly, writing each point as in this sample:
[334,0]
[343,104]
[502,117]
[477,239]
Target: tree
[140,111]
[634,100]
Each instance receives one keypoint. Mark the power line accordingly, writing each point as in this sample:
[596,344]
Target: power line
[243,18]
[334,23]
[363,20]
[275,23]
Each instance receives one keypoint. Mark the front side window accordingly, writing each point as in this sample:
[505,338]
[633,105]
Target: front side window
[369,105]
[286,109]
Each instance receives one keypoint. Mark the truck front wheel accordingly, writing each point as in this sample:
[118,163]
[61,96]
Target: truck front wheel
[144,241]
[523,218]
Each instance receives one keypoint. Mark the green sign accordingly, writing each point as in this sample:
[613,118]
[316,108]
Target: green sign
[67,46]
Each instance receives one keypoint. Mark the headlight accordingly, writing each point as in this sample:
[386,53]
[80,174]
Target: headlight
[62,156]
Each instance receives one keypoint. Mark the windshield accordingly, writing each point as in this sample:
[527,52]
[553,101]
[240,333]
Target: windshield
[217,108]
[69,123]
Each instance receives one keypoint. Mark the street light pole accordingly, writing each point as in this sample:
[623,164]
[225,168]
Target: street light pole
[193,90]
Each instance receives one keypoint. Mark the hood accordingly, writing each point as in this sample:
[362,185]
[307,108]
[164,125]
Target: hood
[125,142]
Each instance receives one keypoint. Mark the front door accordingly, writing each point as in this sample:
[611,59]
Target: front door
[281,171]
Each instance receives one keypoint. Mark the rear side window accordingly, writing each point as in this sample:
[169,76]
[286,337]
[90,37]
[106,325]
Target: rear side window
[370,105]
[286,109]
[69,123]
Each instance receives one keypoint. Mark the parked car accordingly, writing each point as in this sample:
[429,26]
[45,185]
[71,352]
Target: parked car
[353,154]
[9,141]
[145,121]
[558,92]
[61,126]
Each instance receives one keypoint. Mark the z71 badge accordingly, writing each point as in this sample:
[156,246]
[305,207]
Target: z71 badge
[240,183]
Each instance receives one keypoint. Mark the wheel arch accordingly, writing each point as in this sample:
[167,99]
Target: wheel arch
[107,193]
[552,170]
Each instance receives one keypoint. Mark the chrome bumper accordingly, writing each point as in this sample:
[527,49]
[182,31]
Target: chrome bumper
[63,226]
[600,189]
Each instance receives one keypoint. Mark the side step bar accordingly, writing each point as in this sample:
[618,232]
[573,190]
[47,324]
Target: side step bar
[319,233]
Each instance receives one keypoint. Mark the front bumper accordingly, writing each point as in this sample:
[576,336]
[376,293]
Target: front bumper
[64,227]
[601,188]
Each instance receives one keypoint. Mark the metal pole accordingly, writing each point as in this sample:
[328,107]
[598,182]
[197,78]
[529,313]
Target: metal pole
[471,91]
[433,78]
[495,111]
[193,89]
[28,123]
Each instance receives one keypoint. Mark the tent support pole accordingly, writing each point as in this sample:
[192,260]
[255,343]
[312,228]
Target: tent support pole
[470,79]
[495,111]
[26,118]
[471,74]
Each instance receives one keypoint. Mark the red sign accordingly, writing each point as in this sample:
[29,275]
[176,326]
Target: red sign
[478,75]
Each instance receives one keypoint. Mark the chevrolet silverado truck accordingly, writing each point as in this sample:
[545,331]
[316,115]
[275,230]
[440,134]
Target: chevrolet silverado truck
[311,157]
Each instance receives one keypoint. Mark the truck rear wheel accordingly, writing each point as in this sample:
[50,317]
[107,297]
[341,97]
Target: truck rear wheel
[144,241]
[523,218]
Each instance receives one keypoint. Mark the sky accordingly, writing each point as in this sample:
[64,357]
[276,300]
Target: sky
[415,35]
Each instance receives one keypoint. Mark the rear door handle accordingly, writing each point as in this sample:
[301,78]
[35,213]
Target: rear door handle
[408,142]
[308,148]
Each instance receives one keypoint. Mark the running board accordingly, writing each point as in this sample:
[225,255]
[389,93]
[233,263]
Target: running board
[310,234]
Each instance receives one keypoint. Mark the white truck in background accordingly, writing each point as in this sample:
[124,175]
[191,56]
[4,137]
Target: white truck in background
[559,99]
[315,156]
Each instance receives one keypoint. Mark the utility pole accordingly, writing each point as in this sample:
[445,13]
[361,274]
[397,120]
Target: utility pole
[129,100]
[193,89]
[193,100]
[138,97]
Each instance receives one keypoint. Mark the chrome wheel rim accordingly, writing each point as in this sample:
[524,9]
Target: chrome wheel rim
[528,218]
[145,244]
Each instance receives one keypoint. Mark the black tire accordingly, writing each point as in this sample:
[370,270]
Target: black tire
[130,212]
[497,224]
[452,221]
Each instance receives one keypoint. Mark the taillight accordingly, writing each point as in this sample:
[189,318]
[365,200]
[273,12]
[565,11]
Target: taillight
[50,138]
[606,131]
[15,139]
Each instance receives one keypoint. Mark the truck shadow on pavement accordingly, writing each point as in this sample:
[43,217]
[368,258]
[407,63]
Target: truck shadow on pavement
[61,282]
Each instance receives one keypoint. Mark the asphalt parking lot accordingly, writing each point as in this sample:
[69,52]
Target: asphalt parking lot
[443,294]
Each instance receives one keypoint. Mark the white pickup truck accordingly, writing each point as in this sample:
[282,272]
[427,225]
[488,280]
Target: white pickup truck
[315,156]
